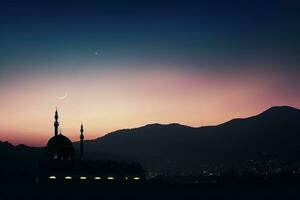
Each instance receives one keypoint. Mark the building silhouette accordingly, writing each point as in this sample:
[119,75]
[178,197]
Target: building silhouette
[81,141]
[61,164]
[59,147]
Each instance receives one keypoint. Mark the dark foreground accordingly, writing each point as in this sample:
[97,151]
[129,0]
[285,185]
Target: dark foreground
[149,191]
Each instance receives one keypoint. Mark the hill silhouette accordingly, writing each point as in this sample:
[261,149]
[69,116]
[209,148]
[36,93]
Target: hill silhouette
[18,161]
[174,149]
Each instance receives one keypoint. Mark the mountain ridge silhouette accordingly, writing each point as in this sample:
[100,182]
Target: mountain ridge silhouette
[175,148]
[272,134]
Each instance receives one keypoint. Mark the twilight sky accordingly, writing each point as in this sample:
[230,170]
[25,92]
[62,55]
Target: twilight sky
[124,64]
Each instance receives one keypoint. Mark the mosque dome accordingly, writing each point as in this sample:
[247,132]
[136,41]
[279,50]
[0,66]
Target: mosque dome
[59,147]
[59,140]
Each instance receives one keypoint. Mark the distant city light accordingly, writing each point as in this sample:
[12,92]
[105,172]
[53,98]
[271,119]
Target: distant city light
[110,178]
[126,178]
[97,178]
[136,178]
[52,177]
[83,178]
[68,177]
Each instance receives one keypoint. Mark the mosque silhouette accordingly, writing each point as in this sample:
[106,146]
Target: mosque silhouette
[61,164]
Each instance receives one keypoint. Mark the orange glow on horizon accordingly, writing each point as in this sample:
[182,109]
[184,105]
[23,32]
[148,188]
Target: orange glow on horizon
[112,100]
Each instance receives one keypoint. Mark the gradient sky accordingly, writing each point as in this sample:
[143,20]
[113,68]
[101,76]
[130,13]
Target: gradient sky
[124,64]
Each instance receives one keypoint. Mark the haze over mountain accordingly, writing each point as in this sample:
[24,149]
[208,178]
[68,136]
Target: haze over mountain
[175,148]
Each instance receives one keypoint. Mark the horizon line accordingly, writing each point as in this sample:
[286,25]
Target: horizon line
[162,124]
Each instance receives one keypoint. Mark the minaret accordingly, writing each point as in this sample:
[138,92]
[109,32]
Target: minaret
[56,123]
[81,141]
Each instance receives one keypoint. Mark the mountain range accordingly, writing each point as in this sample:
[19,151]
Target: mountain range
[273,134]
[174,148]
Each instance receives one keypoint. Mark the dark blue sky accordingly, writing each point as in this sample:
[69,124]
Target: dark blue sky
[222,34]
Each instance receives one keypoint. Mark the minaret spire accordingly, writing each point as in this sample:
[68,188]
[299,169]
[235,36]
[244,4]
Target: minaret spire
[81,141]
[56,123]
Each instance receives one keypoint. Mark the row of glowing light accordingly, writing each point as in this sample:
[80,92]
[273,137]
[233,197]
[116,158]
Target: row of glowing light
[96,178]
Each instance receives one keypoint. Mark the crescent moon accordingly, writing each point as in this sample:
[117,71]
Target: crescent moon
[63,97]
